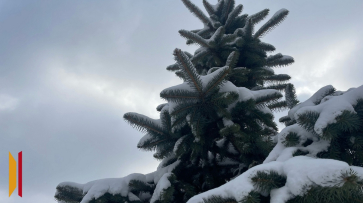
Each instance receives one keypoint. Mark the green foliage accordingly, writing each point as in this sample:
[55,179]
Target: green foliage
[137,186]
[217,199]
[278,106]
[68,194]
[273,22]
[291,139]
[264,182]
[290,94]
[197,12]
[327,92]
[255,197]
[308,120]
[300,153]
[143,123]
[160,137]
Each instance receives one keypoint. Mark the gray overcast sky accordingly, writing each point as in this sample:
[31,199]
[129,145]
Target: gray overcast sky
[69,70]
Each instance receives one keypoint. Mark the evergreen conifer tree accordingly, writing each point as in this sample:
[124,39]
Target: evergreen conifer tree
[218,124]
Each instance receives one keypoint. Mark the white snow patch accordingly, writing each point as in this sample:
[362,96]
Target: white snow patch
[163,184]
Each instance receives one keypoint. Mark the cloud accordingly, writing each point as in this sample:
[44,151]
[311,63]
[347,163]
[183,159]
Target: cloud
[7,102]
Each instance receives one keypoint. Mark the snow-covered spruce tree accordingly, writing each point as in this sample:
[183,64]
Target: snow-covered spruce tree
[216,124]
[208,132]
[213,128]
[318,159]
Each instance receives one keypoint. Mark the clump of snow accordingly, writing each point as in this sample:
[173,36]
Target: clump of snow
[156,175]
[221,142]
[114,186]
[312,101]
[301,172]
[286,58]
[163,184]
[228,87]
[227,122]
[280,151]
[279,12]
[240,186]
[97,188]
[144,139]
[329,108]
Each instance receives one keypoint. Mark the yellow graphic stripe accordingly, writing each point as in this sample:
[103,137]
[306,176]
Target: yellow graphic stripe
[12,174]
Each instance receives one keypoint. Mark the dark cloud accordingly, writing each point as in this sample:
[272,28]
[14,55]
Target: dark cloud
[69,70]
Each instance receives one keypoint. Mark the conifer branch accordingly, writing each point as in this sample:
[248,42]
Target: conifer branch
[274,57]
[161,106]
[279,78]
[204,33]
[182,107]
[197,12]
[217,80]
[266,181]
[290,95]
[272,23]
[198,56]
[228,38]
[208,7]
[257,17]
[178,95]
[291,139]
[195,37]
[281,61]
[217,36]
[190,73]
[268,98]
[308,120]
[218,199]
[173,67]
[180,74]
[232,16]
[166,120]
[137,186]
[232,59]
[219,7]
[278,106]
[142,123]
[69,194]
[241,20]
[151,145]
[266,47]
[248,29]
[279,87]
[227,8]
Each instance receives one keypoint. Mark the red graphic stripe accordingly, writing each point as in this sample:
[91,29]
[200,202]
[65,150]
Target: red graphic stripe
[20,174]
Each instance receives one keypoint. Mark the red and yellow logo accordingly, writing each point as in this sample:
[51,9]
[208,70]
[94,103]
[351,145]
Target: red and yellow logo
[12,174]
